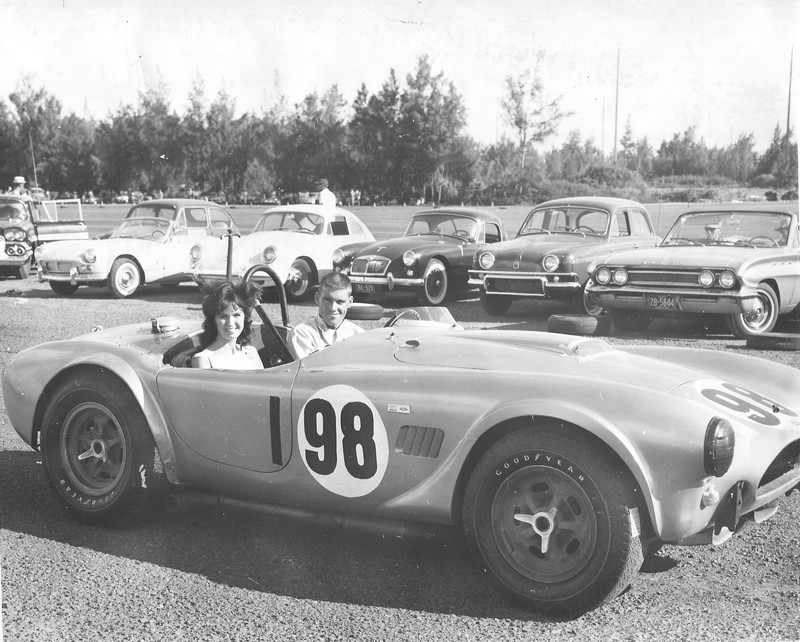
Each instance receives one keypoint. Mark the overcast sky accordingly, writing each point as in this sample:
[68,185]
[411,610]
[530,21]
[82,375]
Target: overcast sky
[719,65]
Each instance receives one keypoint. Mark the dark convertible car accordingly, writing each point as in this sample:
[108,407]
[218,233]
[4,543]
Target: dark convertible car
[432,257]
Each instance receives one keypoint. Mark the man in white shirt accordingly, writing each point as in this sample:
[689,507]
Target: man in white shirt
[326,197]
[333,298]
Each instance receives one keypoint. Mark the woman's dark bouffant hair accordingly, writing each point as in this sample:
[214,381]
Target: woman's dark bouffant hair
[245,296]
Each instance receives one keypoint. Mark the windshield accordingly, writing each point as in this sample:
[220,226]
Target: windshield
[152,211]
[13,212]
[445,224]
[586,221]
[306,222]
[152,229]
[756,229]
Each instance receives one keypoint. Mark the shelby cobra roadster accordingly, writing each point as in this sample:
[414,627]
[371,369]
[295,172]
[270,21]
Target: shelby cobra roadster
[563,459]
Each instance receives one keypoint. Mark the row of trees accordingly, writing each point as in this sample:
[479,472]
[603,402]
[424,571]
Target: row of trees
[403,143]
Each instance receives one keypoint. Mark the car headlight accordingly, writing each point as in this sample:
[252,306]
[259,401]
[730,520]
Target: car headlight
[89,256]
[338,256]
[706,278]
[196,253]
[409,258]
[550,263]
[486,260]
[269,254]
[602,276]
[14,234]
[727,279]
[718,447]
[620,276]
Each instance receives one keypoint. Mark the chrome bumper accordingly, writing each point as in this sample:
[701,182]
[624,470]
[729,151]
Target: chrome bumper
[687,301]
[539,284]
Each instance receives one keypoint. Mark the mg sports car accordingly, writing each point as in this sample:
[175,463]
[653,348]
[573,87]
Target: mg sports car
[430,259]
[151,245]
[296,241]
[563,460]
[550,256]
[744,264]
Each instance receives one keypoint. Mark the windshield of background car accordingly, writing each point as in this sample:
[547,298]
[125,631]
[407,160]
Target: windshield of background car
[291,222]
[445,224]
[756,229]
[151,229]
[13,212]
[580,220]
[152,211]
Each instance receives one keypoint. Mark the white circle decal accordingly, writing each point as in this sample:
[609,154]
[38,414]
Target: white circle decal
[343,441]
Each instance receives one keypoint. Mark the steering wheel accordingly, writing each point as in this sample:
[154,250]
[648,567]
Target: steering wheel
[410,312]
[157,234]
[772,242]
[463,234]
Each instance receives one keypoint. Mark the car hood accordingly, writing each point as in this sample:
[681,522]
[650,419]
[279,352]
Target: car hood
[394,248]
[70,250]
[535,246]
[680,256]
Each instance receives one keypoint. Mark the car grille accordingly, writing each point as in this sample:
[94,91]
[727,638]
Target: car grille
[663,278]
[56,267]
[370,265]
[514,286]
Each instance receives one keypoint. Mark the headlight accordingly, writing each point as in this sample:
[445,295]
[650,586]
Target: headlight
[620,276]
[602,276]
[337,257]
[196,253]
[486,260]
[269,254]
[14,234]
[706,278]
[718,447]
[550,263]
[409,258]
[727,279]
[89,256]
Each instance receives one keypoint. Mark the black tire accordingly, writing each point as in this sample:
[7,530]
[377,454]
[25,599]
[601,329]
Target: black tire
[124,278]
[365,312]
[775,341]
[97,449]
[584,304]
[631,321]
[435,283]
[301,281]
[63,288]
[579,324]
[23,271]
[553,479]
[495,305]
[745,327]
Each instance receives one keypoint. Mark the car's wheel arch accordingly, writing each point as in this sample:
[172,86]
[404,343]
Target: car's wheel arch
[108,365]
[132,259]
[603,439]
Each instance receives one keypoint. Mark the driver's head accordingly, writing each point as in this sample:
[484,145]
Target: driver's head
[333,298]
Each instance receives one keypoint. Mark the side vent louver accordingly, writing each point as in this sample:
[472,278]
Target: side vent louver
[419,441]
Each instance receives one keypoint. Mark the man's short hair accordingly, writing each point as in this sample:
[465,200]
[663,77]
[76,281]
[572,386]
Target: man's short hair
[335,281]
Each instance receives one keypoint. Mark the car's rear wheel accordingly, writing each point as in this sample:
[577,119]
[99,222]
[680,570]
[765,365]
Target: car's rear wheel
[435,282]
[762,320]
[63,288]
[98,453]
[552,520]
[585,303]
[495,305]
[631,321]
[124,278]
[300,282]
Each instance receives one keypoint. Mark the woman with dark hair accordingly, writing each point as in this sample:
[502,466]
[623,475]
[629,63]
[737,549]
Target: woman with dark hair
[227,328]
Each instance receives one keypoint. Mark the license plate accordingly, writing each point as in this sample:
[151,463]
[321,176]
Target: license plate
[661,302]
[365,288]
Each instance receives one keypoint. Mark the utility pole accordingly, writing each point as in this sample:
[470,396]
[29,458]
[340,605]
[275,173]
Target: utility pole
[789,109]
[33,160]
[616,112]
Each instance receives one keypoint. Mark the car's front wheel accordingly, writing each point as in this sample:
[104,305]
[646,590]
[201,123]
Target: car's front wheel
[124,278]
[97,450]
[63,288]
[300,282]
[761,320]
[552,520]
[585,304]
[435,282]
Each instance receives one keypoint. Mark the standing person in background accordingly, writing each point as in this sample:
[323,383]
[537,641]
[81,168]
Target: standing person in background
[18,188]
[326,197]
[333,298]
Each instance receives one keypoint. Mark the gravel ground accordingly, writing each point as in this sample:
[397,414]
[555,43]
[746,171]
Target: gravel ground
[206,576]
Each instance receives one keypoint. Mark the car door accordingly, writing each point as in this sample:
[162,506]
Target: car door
[238,419]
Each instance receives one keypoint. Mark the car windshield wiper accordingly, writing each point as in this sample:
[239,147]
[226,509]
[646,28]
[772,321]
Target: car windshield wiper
[535,230]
